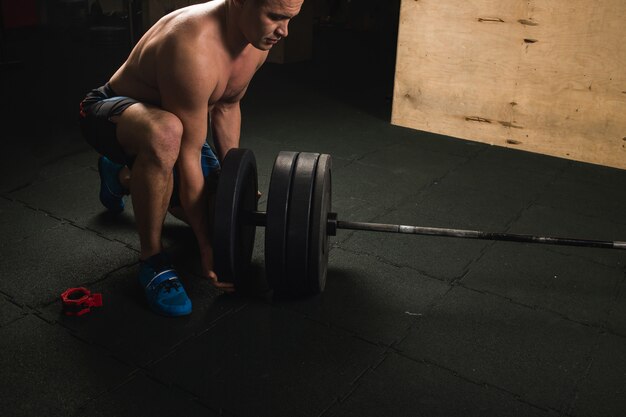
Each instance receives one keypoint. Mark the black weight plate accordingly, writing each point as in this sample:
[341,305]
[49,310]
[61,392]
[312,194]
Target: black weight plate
[299,224]
[233,228]
[276,218]
[318,236]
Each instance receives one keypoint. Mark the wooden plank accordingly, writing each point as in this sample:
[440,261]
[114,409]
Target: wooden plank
[546,77]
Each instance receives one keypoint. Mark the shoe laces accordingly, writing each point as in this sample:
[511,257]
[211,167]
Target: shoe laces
[170,284]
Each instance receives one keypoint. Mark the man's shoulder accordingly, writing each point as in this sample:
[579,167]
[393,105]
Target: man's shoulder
[187,23]
[194,36]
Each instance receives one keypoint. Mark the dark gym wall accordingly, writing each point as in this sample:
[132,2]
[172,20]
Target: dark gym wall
[53,51]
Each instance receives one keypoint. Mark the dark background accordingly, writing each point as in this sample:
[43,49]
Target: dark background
[54,51]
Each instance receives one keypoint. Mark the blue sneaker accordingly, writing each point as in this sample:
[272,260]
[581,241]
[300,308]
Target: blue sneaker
[164,291]
[111,191]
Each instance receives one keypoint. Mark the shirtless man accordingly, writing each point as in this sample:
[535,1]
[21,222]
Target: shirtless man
[188,72]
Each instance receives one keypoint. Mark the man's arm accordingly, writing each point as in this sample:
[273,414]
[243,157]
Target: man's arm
[226,118]
[226,127]
[185,84]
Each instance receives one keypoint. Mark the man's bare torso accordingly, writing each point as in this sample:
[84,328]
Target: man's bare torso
[200,28]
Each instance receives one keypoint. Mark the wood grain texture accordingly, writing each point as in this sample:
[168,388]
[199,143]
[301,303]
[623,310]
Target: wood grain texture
[545,77]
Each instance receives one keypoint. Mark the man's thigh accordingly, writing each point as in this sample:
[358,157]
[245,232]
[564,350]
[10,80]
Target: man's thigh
[138,126]
[99,128]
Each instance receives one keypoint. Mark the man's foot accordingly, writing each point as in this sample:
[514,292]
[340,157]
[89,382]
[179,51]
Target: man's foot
[111,191]
[164,291]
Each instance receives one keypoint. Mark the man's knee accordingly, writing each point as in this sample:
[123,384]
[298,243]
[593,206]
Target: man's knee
[165,139]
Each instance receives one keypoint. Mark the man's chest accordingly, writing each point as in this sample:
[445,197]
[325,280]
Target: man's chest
[233,81]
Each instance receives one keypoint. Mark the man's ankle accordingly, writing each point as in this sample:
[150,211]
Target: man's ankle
[157,261]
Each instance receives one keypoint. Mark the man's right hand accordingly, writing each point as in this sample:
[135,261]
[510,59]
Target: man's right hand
[206,258]
[228,287]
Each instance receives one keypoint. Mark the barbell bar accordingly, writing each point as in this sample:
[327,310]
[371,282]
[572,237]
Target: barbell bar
[299,220]
[477,234]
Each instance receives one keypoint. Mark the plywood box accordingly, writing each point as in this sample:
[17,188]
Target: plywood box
[546,77]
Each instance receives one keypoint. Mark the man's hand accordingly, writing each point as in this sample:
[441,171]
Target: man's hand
[206,259]
[228,287]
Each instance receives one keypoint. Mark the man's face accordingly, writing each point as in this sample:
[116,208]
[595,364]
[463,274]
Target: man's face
[264,22]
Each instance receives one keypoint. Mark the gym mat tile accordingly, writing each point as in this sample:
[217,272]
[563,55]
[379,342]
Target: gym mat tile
[72,196]
[144,397]
[72,160]
[590,198]
[268,361]
[46,371]
[127,327]
[603,390]
[412,161]
[46,264]
[418,141]
[18,222]
[535,355]
[516,160]
[9,312]
[454,205]
[375,186]
[443,258]
[18,167]
[374,300]
[366,201]
[571,286]
[265,151]
[597,174]
[541,220]
[122,227]
[617,317]
[519,183]
[402,387]
[343,126]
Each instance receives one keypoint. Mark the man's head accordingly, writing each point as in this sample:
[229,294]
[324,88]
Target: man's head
[265,22]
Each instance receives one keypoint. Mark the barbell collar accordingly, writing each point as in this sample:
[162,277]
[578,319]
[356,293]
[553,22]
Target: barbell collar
[258,218]
[331,227]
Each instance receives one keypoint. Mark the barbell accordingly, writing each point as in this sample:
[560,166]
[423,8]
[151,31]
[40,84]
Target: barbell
[299,220]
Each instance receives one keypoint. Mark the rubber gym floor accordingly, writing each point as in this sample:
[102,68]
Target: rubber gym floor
[407,325]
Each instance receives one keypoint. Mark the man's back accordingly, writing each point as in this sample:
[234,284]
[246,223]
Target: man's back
[193,33]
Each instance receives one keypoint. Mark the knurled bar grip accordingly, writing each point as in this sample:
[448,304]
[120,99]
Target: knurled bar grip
[476,234]
[259,220]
